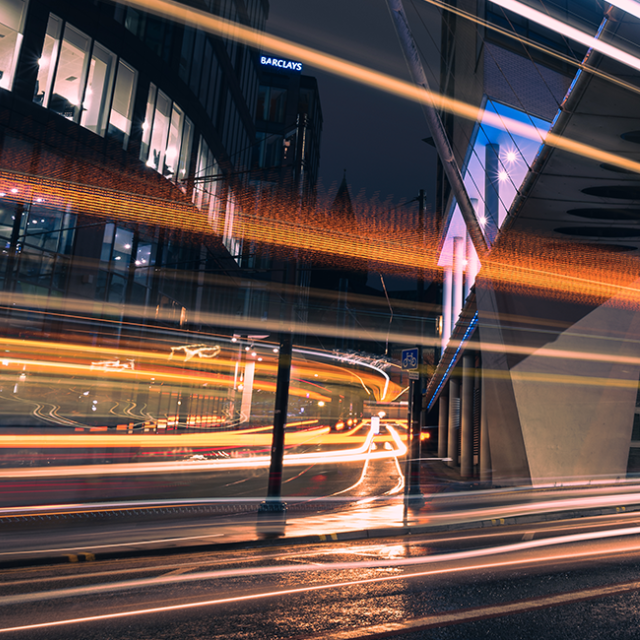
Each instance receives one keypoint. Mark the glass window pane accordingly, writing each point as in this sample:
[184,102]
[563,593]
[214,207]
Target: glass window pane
[47,61]
[172,154]
[98,92]
[185,153]
[12,14]
[275,106]
[160,129]
[68,86]
[122,107]
[148,121]
[122,246]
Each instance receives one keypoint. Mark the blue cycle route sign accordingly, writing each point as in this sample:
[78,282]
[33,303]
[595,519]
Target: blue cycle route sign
[410,359]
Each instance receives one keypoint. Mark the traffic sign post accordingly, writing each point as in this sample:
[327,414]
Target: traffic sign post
[410,358]
[412,363]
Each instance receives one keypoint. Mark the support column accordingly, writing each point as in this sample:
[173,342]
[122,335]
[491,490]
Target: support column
[466,417]
[447,290]
[454,421]
[443,425]
[492,192]
[485,450]
[458,278]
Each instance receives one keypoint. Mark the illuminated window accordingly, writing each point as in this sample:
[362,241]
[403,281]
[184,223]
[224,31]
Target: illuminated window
[97,95]
[205,192]
[47,61]
[70,74]
[185,152]
[172,154]
[159,131]
[148,120]
[12,14]
[122,107]
[167,136]
[122,247]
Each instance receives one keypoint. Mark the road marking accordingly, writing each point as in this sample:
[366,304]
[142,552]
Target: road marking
[91,556]
[528,536]
[480,613]
[177,572]
[454,617]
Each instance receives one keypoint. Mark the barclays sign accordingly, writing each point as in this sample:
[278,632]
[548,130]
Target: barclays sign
[281,64]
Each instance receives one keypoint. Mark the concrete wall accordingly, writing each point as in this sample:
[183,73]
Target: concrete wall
[561,384]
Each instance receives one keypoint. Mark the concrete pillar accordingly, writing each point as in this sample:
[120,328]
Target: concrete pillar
[454,421]
[447,286]
[466,416]
[443,425]
[458,278]
[485,451]
[491,192]
[247,391]
[472,268]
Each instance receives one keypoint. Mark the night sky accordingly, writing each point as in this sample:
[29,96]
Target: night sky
[376,137]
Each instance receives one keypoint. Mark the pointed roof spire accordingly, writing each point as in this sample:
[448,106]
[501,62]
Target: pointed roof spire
[342,202]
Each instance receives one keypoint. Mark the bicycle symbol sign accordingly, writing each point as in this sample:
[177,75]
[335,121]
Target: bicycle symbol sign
[410,358]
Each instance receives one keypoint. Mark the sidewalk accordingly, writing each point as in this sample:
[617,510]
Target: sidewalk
[78,533]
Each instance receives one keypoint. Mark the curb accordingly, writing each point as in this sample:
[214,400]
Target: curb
[345,536]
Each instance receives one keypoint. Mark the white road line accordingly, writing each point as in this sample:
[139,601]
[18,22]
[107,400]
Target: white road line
[341,566]
[90,547]
[319,587]
[481,613]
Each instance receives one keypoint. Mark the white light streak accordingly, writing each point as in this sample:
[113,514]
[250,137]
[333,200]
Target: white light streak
[571,32]
[630,6]
[253,571]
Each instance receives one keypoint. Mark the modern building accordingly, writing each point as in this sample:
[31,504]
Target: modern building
[126,146]
[111,98]
[538,380]
[288,129]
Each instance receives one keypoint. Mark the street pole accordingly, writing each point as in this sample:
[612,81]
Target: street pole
[412,489]
[273,503]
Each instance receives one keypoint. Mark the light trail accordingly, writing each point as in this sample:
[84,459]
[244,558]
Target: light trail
[299,569]
[572,62]
[358,454]
[570,32]
[630,6]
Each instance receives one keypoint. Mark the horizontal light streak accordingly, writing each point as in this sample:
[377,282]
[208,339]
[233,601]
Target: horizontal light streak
[630,6]
[341,566]
[359,453]
[216,439]
[215,319]
[570,32]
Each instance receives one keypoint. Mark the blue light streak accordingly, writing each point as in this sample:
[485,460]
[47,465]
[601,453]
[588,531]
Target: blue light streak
[467,333]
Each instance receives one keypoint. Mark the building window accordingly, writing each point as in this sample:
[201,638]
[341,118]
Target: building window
[172,155]
[122,106]
[185,153]
[77,77]
[167,136]
[47,61]
[70,73]
[12,13]
[269,150]
[271,104]
[205,192]
[230,240]
[98,92]
[159,131]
